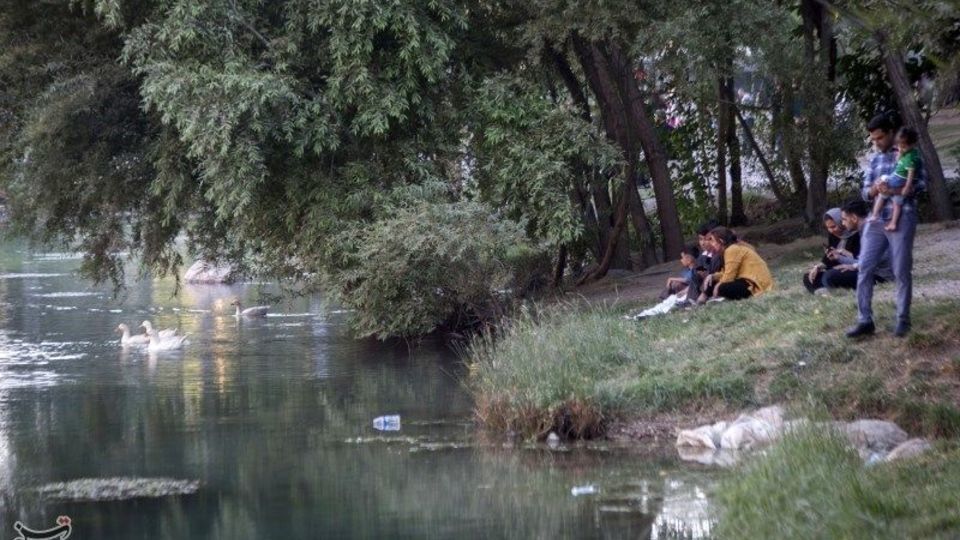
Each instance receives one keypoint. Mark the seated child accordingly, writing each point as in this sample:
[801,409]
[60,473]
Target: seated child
[901,181]
[688,259]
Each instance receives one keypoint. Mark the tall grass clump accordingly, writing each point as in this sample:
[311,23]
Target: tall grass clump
[813,485]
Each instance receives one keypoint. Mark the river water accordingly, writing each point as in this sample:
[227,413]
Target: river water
[274,418]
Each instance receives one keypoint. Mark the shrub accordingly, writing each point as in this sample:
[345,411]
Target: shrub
[431,266]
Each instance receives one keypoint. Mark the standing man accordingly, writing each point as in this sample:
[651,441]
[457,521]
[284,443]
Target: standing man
[875,241]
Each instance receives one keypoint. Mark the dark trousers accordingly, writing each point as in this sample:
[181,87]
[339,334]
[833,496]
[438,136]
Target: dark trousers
[737,289]
[840,279]
[816,283]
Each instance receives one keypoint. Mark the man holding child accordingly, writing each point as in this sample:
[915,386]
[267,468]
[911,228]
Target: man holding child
[878,236]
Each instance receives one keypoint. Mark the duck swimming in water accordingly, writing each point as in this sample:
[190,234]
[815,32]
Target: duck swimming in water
[250,312]
[127,339]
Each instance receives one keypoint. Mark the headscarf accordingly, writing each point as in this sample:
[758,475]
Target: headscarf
[835,215]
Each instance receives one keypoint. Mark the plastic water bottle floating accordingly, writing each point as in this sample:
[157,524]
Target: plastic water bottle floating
[390,422]
[576,491]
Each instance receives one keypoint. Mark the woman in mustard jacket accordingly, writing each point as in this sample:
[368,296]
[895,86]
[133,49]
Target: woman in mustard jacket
[744,273]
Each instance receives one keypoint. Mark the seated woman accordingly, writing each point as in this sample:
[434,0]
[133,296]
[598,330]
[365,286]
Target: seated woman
[841,243]
[744,273]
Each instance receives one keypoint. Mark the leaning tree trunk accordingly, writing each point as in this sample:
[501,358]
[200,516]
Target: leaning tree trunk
[910,112]
[639,121]
[597,231]
[775,186]
[612,113]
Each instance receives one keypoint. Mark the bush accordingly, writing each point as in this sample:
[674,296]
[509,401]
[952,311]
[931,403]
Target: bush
[431,266]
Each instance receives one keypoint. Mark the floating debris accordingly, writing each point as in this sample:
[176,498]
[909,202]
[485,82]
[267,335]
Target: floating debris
[576,491]
[117,489]
[435,446]
[384,440]
[390,422]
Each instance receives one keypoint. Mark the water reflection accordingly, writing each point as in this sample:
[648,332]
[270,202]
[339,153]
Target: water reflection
[273,416]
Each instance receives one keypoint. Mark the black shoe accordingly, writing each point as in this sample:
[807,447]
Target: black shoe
[902,329]
[861,329]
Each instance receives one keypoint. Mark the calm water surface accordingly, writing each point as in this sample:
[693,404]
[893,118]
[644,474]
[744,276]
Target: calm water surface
[273,417]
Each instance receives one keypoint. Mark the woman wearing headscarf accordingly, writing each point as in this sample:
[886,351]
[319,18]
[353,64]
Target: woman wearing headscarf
[841,243]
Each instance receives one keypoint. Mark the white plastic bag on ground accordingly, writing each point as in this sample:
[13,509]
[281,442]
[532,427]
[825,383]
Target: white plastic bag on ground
[702,437]
[659,309]
[909,449]
[747,434]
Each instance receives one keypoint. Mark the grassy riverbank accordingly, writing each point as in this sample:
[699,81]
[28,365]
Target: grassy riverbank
[812,485]
[579,370]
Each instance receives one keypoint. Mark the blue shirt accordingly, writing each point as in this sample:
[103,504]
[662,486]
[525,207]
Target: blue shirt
[884,163]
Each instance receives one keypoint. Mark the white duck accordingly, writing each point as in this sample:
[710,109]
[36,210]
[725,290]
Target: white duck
[127,339]
[250,312]
[166,333]
[163,343]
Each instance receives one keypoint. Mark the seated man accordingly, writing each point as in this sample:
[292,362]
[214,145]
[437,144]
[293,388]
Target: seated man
[844,274]
[840,241]
[688,259]
[707,263]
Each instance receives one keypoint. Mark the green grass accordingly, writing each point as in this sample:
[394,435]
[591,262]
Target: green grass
[813,485]
[574,370]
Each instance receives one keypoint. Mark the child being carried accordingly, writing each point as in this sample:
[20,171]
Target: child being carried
[900,183]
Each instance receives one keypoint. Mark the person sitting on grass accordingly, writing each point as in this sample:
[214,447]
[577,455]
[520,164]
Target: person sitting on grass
[841,242]
[707,263]
[680,285]
[744,274]
[900,183]
[844,274]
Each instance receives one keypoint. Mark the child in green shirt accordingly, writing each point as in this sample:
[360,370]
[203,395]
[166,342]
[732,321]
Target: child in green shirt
[901,181]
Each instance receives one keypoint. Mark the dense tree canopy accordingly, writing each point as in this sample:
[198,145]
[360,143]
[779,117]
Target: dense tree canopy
[292,137]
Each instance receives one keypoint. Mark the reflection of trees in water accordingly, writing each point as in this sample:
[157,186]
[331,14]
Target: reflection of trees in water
[263,422]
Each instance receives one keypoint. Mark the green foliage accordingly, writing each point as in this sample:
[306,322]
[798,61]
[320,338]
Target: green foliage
[430,266]
[259,132]
[532,155]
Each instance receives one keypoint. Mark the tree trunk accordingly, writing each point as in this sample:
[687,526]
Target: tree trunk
[611,248]
[737,215]
[722,126]
[641,123]
[560,267]
[792,154]
[611,111]
[910,112]
[597,232]
[775,186]
[648,246]
[820,55]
